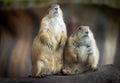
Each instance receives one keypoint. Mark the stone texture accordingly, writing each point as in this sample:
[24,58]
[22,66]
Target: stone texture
[104,74]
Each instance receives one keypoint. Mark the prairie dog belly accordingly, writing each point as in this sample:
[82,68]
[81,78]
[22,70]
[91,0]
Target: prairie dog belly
[82,52]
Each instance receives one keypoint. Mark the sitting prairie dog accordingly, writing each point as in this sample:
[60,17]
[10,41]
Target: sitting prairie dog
[47,49]
[81,52]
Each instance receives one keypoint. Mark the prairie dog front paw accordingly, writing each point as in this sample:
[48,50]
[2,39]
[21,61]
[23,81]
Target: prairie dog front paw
[44,38]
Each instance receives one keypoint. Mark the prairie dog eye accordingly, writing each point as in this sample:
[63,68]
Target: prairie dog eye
[79,28]
[49,6]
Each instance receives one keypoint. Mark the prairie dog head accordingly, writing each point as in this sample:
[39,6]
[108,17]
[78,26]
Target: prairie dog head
[82,34]
[55,10]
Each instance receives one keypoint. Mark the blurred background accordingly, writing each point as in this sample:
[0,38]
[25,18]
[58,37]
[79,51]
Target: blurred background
[20,22]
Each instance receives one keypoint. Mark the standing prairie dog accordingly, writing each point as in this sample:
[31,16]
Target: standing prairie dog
[81,52]
[47,49]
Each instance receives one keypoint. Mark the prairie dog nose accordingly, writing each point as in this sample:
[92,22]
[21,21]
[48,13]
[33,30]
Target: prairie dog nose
[56,8]
[86,32]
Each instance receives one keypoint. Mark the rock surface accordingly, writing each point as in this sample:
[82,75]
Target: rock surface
[104,74]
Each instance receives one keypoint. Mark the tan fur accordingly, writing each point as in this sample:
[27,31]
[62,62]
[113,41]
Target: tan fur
[47,49]
[81,52]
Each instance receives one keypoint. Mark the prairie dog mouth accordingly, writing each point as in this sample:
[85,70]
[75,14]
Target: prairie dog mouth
[86,35]
[56,12]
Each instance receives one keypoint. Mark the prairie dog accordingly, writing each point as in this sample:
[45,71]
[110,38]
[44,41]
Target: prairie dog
[47,49]
[81,52]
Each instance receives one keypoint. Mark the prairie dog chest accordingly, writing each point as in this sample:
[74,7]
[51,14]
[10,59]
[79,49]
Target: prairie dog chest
[57,26]
[82,52]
